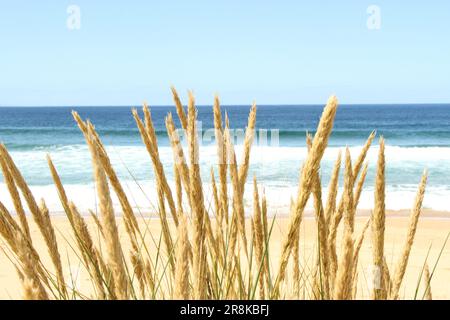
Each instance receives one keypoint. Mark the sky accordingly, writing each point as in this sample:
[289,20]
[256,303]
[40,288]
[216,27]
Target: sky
[273,52]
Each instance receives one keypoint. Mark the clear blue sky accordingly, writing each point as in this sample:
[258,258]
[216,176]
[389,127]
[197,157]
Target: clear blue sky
[272,51]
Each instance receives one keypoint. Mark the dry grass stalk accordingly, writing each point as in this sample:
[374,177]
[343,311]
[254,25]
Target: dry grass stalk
[311,166]
[46,228]
[253,262]
[323,244]
[295,256]
[248,141]
[360,239]
[32,205]
[343,283]
[362,155]
[220,228]
[180,109]
[337,216]
[196,195]
[266,239]
[427,283]
[195,178]
[333,190]
[259,238]
[97,222]
[414,219]
[210,236]
[321,226]
[158,165]
[378,224]
[30,290]
[149,138]
[113,246]
[387,280]
[60,189]
[238,217]
[167,236]
[182,265]
[340,209]
[357,248]
[8,218]
[330,216]
[179,158]
[358,245]
[91,257]
[130,220]
[127,211]
[178,154]
[20,181]
[348,193]
[216,200]
[264,216]
[179,190]
[149,275]
[138,267]
[9,181]
[32,285]
[8,227]
[355,284]
[163,190]
[131,225]
[360,185]
[344,275]
[222,158]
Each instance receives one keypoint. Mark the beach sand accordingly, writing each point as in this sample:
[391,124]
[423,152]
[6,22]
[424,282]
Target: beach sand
[431,233]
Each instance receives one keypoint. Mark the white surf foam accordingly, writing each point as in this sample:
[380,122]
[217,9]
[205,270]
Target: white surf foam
[275,167]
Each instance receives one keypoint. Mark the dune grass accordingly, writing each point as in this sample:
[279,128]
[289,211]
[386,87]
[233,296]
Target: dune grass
[207,249]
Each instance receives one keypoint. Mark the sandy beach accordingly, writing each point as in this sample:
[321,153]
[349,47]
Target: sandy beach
[432,230]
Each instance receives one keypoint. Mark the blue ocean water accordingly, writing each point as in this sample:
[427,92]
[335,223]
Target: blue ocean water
[417,137]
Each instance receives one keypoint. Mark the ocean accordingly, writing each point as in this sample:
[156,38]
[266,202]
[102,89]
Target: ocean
[417,138]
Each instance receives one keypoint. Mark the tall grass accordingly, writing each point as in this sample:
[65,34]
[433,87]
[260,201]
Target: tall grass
[207,251]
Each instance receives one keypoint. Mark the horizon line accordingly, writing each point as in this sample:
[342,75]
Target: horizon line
[224,105]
